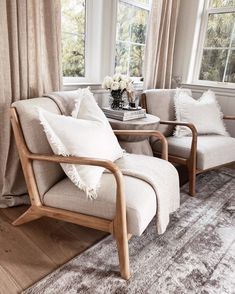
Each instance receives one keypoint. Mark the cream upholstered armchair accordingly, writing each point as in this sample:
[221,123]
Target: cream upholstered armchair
[197,153]
[125,204]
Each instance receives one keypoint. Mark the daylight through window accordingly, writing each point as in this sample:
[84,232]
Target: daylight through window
[132,17]
[218,57]
[73,15]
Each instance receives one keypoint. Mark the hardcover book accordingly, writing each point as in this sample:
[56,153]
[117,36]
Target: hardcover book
[123,114]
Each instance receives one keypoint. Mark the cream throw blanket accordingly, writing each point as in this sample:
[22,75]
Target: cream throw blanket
[158,173]
[162,176]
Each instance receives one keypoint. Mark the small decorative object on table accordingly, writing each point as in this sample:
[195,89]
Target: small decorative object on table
[118,85]
[133,102]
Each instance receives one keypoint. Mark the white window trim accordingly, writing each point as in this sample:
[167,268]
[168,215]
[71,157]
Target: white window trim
[137,80]
[202,35]
[101,20]
[97,62]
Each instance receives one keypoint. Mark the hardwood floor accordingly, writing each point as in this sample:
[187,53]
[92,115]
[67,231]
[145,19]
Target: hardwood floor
[31,251]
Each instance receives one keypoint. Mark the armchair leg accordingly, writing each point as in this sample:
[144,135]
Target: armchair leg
[123,255]
[192,181]
[29,215]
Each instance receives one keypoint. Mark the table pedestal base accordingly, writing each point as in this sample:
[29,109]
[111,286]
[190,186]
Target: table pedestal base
[137,147]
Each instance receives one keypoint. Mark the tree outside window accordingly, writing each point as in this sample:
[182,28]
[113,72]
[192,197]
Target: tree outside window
[73,21]
[218,57]
[132,17]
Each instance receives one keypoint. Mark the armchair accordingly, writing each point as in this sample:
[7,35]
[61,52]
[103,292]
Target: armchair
[53,195]
[197,153]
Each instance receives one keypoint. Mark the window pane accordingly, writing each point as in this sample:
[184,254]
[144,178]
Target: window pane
[123,23]
[213,65]
[130,38]
[122,58]
[142,1]
[219,29]
[233,36]
[73,52]
[139,25]
[73,37]
[230,72]
[222,3]
[136,61]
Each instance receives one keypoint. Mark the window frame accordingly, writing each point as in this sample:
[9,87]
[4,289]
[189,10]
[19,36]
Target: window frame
[100,62]
[202,36]
[73,80]
[138,5]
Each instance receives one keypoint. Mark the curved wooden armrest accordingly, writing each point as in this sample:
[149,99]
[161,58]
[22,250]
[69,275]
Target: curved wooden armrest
[148,133]
[111,166]
[229,117]
[179,123]
[193,153]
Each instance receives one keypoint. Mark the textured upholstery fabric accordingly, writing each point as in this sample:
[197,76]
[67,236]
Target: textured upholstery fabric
[140,200]
[83,138]
[47,174]
[204,113]
[212,150]
[160,102]
[148,181]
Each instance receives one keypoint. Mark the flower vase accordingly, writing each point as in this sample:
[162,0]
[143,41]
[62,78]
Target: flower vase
[116,99]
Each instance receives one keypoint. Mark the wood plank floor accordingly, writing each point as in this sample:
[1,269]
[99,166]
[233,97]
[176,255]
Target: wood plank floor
[31,251]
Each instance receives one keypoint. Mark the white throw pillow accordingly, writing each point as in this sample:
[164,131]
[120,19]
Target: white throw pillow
[87,108]
[85,138]
[204,113]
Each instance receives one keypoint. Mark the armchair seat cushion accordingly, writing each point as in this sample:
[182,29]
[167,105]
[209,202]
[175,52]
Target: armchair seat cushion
[212,150]
[140,200]
[140,195]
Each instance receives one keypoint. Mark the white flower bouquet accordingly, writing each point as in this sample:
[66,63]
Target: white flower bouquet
[118,83]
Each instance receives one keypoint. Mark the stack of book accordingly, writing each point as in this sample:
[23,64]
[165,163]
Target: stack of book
[124,115]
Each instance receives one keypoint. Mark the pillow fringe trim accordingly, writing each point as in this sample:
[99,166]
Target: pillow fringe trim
[91,192]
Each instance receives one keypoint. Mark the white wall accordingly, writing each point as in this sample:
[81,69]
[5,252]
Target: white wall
[185,52]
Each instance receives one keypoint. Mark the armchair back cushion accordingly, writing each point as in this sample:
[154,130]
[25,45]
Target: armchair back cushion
[47,174]
[160,102]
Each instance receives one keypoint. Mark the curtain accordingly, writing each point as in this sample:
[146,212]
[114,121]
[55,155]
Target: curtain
[30,56]
[160,44]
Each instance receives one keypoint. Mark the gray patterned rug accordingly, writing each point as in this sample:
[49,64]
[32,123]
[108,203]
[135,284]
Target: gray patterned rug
[195,255]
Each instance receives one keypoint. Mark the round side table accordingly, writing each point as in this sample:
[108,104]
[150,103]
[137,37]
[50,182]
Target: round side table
[136,144]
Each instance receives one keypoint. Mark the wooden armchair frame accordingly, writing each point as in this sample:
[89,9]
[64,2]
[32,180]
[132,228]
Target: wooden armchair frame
[191,161]
[117,227]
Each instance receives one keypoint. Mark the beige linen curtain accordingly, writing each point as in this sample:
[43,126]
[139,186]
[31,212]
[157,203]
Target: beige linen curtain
[29,66]
[160,44]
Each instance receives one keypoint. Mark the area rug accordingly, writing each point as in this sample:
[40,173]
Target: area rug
[195,255]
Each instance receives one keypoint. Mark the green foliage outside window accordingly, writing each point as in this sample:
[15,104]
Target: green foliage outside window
[130,39]
[218,59]
[73,38]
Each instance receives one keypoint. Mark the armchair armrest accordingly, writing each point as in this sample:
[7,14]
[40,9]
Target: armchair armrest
[178,123]
[111,166]
[193,152]
[228,117]
[149,133]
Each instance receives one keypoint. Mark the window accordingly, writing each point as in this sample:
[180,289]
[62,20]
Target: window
[73,37]
[132,17]
[90,47]
[218,52]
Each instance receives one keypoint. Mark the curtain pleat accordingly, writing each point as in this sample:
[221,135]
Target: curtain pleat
[30,64]
[160,44]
